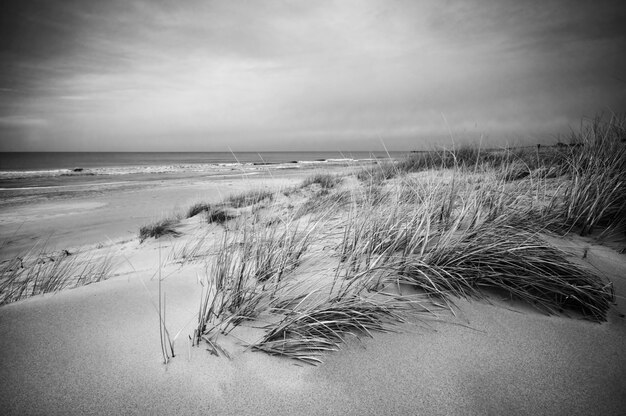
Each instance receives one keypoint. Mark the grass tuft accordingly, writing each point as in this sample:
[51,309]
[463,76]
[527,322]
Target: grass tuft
[325,180]
[158,229]
[515,261]
[36,273]
[307,332]
[596,194]
[218,215]
[249,198]
[197,208]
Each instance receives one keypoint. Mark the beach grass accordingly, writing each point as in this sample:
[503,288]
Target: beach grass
[39,271]
[248,198]
[323,179]
[596,193]
[197,208]
[160,228]
[463,223]
[392,241]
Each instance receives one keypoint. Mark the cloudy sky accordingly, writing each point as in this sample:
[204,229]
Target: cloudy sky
[259,75]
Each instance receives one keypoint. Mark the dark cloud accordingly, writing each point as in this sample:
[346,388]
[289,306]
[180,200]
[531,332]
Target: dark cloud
[168,74]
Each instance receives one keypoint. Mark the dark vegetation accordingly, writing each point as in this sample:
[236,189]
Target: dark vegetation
[158,229]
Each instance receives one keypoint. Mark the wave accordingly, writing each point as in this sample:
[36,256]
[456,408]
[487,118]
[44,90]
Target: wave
[215,168]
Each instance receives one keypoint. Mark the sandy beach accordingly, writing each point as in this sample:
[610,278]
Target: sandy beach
[95,349]
[312,208]
[72,216]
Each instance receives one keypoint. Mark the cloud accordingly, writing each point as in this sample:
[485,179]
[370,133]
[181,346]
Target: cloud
[21,121]
[279,74]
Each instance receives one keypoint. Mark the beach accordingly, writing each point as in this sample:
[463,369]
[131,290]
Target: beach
[96,349]
[312,208]
[45,202]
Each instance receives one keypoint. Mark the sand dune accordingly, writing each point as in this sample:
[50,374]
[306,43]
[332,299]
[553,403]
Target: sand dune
[95,350]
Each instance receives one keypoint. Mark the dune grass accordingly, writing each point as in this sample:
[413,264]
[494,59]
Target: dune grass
[512,261]
[218,215]
[38,272]
[307,332]
[596,193]
[323,179]
[158,229]
[248,198]
[464,222]
[214,213]
[247,271]
[470,227]
[197,208]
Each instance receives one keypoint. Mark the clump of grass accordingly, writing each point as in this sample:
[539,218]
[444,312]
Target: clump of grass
[324,203]
[218,215]
[158,229]
[518,262]
[378,173]
[464,156]
[247,271]
[213,213]
[230,294]
[596,195]
[325,180]
[249,198]
[306,332]
[197,208]
[37,273]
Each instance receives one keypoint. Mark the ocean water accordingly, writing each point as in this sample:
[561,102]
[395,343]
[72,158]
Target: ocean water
[51,171]
[45,164]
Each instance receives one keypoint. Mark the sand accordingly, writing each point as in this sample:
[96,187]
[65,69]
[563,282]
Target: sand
[71,220]
[95,350]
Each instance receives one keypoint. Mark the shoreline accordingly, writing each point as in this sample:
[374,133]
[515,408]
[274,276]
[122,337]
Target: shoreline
[70,216]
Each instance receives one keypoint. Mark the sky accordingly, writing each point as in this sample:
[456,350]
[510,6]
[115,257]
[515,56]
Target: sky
[169,75]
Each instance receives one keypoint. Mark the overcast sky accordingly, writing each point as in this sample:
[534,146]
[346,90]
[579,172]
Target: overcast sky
[80,75]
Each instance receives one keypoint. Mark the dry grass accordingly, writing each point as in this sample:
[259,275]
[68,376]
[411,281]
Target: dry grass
[307,332]
[513,261]
[247,271]
[325,180]
[197,208]
[468,224]
[596,195]
[158,229]
[38,272]
[248,198]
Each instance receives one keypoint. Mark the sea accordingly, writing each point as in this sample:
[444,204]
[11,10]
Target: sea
[22,170]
